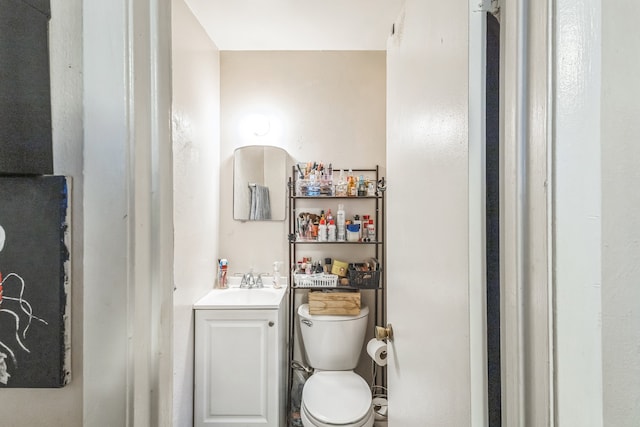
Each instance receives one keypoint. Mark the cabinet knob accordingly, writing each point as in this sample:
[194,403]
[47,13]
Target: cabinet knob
[271,324]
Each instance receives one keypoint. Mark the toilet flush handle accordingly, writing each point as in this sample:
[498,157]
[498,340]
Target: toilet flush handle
[384,333]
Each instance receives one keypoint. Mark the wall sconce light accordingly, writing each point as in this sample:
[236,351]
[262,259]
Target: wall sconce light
[258,124]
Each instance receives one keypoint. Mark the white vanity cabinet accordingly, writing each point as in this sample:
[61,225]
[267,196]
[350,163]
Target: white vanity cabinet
[240,367]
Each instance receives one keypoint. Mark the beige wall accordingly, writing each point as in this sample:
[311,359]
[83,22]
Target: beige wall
[329,106]
[196,153]
[62,407]
[325,106]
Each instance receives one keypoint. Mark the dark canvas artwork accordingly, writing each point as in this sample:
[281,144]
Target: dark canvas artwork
[34,261]
[25,93]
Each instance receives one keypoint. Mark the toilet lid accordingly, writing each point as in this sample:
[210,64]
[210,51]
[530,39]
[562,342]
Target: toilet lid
[337,397]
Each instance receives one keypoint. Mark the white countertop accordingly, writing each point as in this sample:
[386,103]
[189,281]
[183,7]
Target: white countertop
[236,298]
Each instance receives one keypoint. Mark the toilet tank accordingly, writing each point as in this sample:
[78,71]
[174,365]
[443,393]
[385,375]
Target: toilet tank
[332,342]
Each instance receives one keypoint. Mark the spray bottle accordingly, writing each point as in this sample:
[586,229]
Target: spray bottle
[277,265]
[340,223]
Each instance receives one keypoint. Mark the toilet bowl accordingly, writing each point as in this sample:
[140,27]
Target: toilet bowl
[336,398]
[334,395]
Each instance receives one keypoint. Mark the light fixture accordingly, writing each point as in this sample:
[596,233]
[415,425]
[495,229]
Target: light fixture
[258,124]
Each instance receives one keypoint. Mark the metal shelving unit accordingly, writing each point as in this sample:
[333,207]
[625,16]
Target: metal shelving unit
[378,202]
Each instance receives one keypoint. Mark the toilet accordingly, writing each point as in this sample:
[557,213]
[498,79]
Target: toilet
[334,395]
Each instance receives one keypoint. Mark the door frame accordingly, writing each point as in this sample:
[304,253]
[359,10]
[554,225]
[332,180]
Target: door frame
[477,215]
[128,214]
[526,205]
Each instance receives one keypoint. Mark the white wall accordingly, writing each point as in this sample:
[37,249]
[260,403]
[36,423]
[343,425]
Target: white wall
[64,406]
[105,207]
[597,207]
[577,215]
[428,216]
[620,133]
[196,145]
[331,108]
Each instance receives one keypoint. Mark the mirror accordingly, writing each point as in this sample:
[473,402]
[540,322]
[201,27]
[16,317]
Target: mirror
[259,183]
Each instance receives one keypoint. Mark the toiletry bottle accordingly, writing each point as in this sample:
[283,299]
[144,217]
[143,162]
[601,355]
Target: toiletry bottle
[340,223]
[341,187]
[322,231]
[365,229]
[223,266]
[356,220]
[277,265]
[362,189]
[329,216]
[353,187]
[371,229]
[351,184]
[331,231]
[371,187]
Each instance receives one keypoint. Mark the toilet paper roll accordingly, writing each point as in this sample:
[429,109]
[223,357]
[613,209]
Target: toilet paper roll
[380,408]
[377,351]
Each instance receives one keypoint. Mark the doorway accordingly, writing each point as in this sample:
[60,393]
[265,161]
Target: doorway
[492,224]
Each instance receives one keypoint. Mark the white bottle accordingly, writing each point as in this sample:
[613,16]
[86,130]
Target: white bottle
[371,230]
[331,231]
[341,186]
[276,274]
[340,223]
[322,231]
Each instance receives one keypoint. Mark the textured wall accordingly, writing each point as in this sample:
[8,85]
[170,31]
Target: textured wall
[329,106]
[620,214]
[577,215]
[196,145]
[325,106]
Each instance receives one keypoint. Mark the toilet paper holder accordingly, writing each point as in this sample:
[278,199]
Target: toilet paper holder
[384,333]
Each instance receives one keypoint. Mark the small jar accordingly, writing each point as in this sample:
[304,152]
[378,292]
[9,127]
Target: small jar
[353,232]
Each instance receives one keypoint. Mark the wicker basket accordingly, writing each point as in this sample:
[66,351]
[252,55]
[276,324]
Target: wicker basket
[364,279]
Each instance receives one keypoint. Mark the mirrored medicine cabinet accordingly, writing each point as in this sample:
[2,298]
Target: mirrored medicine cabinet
[260,183]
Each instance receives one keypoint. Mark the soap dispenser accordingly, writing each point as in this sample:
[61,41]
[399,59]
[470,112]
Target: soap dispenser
[277,265]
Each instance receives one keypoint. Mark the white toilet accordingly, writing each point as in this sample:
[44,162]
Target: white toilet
[334,395]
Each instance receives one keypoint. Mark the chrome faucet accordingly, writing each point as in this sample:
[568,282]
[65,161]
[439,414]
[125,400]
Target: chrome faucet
[249,281]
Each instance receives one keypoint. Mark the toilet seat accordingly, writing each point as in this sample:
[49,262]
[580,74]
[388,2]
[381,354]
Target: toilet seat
[308,420]
[337,398]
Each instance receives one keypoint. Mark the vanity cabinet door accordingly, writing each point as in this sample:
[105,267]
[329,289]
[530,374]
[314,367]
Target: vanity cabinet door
[236,368]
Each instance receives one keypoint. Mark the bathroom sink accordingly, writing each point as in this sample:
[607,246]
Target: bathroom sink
[235,298]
